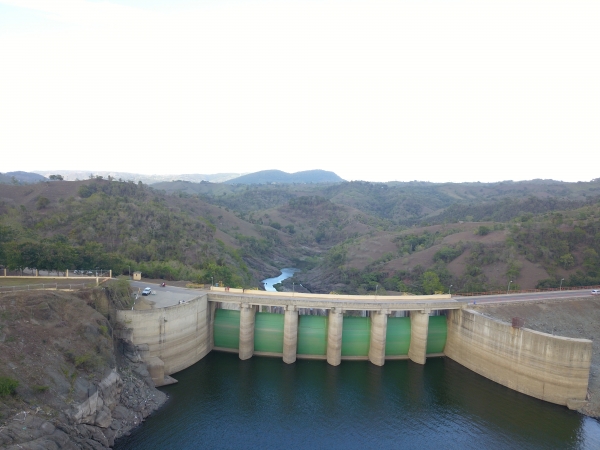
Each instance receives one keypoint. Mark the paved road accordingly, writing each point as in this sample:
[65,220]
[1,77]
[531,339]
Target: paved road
[171,295]
[165,296]
[532,296]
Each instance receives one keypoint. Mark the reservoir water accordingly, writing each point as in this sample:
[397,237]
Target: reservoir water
[222,402]
[286,273]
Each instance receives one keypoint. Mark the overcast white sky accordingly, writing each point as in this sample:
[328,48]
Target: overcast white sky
[372,90]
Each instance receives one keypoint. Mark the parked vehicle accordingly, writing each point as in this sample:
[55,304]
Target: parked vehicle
[147,291]
[595,291]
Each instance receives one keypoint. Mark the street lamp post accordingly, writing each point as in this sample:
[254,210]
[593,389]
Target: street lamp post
[508,288]
[561,280]
[450,290]
[129,267]
[376,287]
[212,281]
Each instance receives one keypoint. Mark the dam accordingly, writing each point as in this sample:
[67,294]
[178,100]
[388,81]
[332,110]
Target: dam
[335,328]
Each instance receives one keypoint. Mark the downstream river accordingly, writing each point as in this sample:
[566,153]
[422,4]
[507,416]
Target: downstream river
[286,273]
[263,403]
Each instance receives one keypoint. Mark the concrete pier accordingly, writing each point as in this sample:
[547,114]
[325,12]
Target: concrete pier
[247,317]
[290,334]
[378,334]
[419,326]
[335,325]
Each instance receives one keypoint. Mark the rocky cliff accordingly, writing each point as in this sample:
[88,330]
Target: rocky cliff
[77,387]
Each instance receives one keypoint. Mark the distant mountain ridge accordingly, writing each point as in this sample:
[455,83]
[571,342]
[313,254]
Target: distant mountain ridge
[71,175]
[280,177]
[21,177]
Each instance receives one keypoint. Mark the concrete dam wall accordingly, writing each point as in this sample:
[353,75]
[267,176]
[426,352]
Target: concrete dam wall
[171,339]
[551,368]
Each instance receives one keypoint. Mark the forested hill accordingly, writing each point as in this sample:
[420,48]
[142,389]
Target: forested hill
[352,237]
[110,224]
[278,176]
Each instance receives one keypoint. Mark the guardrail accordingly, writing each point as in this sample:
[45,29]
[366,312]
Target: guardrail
[524,291]
[43,286]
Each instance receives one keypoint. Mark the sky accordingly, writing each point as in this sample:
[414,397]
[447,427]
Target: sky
[371,90]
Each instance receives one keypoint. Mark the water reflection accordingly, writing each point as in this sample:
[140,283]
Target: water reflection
[222,402]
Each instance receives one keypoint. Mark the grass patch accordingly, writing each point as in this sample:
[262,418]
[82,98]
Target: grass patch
[8,386]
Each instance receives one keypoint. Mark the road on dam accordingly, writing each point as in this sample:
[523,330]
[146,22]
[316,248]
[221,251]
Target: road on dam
[172,295]
[162,297]
[529,296]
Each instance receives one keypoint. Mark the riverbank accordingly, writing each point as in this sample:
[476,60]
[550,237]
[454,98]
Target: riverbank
[575,318]
[74,387]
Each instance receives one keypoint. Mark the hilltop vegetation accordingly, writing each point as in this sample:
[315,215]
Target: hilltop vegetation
[354,237]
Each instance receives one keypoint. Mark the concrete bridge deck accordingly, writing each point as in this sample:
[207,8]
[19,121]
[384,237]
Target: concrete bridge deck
[354,303]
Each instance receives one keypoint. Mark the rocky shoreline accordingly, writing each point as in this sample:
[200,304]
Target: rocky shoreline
[78,389]
[120,403]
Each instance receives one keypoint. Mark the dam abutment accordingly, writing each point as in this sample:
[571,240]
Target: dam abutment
[552,368]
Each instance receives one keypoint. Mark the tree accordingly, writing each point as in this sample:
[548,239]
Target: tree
[42,202]
[482,230]
[590,259]
[567,261]
[56,177]
[431,283]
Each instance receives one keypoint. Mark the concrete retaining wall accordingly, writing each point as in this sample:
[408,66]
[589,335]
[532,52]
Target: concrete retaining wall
[552,368]
[177,335]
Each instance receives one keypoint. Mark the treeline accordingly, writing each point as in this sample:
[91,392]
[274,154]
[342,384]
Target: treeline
[507,209]
[574,248]
[122,226]
[55,254]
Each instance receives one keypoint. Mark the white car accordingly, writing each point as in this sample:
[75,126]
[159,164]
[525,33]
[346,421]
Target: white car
[147,291]
[595,291]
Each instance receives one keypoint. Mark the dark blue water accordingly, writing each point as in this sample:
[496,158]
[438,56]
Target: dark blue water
[222,402]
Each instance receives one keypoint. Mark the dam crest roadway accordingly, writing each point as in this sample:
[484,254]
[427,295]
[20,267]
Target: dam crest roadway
[289,325]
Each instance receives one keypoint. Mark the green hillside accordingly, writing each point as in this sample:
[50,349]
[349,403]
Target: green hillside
[354,237]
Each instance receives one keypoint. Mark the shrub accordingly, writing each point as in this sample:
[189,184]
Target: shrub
[448,254]
[482,230]
[42,202]
[8,386]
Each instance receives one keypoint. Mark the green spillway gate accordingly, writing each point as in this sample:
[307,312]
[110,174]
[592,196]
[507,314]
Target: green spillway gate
[268,332]
[397,338]
[227,328]
[356,336]
[312,335]
[436,334]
